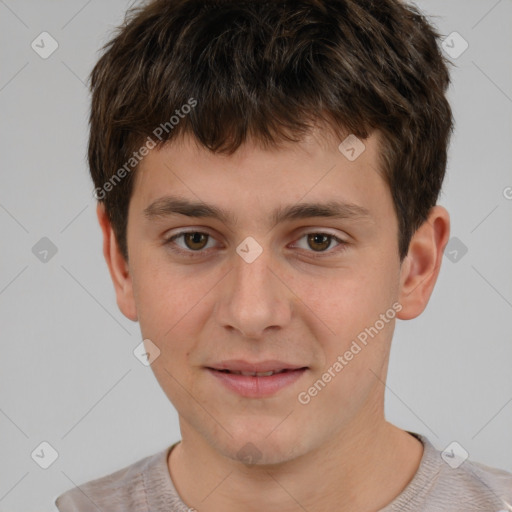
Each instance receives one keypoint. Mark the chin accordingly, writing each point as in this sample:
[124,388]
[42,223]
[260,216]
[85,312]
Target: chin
[260,454]
[258,450]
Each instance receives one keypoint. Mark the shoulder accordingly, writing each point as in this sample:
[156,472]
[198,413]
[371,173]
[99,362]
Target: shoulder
[125,490]
[479,485]
[445,482]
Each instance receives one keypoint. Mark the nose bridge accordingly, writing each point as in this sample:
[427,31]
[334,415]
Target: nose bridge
[255,299]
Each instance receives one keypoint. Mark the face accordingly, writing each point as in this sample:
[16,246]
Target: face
[260,277]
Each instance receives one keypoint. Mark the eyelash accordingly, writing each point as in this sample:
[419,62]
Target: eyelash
[194,254]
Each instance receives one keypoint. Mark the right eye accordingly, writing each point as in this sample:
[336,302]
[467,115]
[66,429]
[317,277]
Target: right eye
[194,242]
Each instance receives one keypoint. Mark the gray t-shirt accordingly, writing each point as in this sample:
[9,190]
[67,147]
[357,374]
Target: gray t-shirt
[146,486]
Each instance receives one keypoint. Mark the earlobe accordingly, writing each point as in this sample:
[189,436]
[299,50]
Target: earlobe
[117,266]
[421,267]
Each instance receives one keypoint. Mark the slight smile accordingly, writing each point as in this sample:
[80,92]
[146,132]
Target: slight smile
[256,380]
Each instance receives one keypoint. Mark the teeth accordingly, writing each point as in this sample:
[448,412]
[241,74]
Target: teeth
[257,374]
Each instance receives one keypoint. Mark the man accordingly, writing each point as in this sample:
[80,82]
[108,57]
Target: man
[267,176]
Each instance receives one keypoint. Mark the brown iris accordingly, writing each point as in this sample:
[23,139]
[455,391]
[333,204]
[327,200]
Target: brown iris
[195,238]
[319,239]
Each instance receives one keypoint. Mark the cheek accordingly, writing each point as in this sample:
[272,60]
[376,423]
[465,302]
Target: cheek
[168,305]
[347,315]
[347,303]
[172,308]
[164,298]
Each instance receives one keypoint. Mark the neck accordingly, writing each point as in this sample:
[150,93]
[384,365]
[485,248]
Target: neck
[357,469]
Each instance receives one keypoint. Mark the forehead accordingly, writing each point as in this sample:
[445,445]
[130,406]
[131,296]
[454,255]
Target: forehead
[277,184]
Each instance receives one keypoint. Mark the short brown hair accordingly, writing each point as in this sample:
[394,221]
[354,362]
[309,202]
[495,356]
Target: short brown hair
[268,71]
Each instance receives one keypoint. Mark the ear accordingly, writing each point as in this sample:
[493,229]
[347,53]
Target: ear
[118,267]
[421,266]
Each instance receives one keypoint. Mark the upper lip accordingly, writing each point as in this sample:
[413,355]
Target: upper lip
[238,365]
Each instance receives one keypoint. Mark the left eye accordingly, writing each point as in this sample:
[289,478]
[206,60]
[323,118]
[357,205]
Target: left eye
[196,241]
[320,242]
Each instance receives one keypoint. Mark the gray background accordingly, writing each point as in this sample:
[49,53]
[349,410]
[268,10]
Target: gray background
[67,372]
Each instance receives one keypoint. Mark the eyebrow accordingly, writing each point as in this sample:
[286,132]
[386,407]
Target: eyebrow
[168,206]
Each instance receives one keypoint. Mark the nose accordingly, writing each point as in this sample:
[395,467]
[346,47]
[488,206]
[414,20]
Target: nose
[255,298]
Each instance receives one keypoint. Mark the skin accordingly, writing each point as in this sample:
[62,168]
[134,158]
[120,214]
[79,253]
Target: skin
[336,452]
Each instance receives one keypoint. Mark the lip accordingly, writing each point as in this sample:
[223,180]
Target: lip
[240,365]
[256,386]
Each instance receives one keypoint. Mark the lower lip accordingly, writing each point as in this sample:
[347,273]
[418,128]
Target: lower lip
[257,387]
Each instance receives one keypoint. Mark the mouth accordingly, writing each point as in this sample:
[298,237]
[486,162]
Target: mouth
[256,380]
